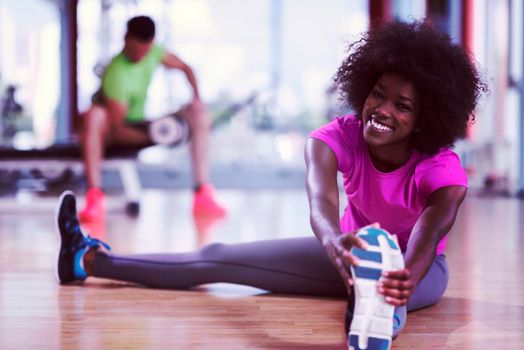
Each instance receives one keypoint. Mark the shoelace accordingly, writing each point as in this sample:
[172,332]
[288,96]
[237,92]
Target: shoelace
[87,240]
[94,242]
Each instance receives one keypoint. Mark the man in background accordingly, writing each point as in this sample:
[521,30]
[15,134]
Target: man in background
[116,117]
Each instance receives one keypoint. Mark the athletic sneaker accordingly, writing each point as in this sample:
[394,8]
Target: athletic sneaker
[95,205]
[399,317]
[373,318]
[204,202]
[73,243]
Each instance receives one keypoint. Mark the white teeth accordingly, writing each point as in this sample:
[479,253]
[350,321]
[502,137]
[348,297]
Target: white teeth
[379,126]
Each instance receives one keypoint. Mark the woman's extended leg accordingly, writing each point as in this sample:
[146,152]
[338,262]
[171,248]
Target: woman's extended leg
[298,266]
[291,266]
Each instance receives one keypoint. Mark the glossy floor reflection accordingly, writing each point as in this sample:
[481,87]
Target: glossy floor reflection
[482,308]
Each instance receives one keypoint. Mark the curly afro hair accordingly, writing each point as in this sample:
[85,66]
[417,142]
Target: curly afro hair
[445,77]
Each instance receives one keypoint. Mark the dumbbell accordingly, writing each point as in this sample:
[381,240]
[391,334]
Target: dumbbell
[170,130]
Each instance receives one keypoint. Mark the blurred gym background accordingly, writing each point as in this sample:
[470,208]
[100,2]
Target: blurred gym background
[265,69]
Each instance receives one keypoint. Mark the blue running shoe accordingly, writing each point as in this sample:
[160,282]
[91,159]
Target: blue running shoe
[372,323]
[399,319]
[73,243]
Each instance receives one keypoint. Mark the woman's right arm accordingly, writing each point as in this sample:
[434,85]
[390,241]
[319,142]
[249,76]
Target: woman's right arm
[322,191]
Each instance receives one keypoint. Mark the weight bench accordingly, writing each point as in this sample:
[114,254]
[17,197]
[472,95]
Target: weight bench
[68,157]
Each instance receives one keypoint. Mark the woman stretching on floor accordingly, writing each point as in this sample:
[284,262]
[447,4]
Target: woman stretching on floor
[414,92]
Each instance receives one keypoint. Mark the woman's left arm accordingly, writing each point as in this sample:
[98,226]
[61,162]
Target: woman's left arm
[432,225]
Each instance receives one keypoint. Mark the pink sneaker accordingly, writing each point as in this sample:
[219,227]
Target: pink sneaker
[95,207]
[204,202]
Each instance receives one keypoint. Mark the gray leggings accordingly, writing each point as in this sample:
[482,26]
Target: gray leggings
[287,266]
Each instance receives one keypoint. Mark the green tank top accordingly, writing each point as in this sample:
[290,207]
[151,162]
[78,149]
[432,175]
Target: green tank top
[127,82]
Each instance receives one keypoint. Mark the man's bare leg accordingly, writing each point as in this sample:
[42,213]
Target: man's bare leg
[196,116]
[94,138]
[204,202]
[94,135]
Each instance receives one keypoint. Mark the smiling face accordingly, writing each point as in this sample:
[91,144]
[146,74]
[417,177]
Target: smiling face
[389,116]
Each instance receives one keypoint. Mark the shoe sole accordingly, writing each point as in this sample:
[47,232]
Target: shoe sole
[372,324]
[57,228]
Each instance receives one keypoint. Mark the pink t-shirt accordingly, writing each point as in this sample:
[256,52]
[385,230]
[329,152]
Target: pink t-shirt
[395,199]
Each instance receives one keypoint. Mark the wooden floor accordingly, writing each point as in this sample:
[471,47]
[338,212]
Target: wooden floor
[483,307]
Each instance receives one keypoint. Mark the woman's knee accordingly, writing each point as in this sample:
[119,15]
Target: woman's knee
[431,289]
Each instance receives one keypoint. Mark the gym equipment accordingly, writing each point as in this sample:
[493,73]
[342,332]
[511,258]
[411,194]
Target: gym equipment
[50,167]
[170,130]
